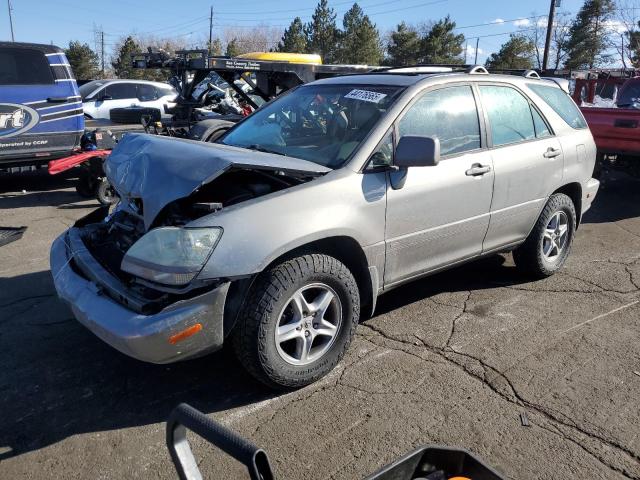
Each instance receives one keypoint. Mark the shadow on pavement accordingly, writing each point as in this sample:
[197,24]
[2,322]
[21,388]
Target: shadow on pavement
[39,180]
[57,379]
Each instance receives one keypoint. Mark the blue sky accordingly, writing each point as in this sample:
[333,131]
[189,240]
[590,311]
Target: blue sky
[59,21]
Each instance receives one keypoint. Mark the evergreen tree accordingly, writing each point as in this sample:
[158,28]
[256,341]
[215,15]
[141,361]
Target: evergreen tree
[441,44]
[588,36]
[360,40]
[404,46]
[122,64]
[517,53]
[294,39]
[322,33]
[83,60]
[233,48]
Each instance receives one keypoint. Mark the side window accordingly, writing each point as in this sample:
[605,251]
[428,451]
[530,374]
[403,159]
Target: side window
[24,66]
[509,115]
[561,103]
[383,155]
[449,114]
[120,91]
[146,93]
[542,130]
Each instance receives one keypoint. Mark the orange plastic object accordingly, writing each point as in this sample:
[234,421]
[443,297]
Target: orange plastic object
[186,333]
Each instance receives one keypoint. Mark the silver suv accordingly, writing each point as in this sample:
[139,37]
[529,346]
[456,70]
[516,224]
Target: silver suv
[282,234]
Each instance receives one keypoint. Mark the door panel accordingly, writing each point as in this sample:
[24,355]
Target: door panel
[439,216]
[527,161]
[523,179]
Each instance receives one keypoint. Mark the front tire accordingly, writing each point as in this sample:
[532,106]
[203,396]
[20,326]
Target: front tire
[297,321]
[547,247]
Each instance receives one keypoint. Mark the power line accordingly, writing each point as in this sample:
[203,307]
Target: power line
[499,22]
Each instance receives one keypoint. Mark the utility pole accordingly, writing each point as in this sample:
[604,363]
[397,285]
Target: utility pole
[210,29]
[547,43]
[465,51]
[10,19]
[102,50]
[475,60]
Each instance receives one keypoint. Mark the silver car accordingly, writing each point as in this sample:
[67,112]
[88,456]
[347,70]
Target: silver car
[282,234]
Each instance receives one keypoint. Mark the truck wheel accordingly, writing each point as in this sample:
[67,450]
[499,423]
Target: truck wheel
[547,247]
[105,193]
[298,321]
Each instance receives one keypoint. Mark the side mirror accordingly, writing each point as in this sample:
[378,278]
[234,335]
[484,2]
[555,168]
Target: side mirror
[417,151]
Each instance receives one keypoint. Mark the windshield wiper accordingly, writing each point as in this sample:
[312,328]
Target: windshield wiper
[260,148]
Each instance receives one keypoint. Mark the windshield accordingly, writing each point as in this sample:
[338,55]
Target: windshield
[88,88]
[320,123]
[629,95]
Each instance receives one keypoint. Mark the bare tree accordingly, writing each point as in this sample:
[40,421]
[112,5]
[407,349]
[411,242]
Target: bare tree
[625,27]
[537,31]
[258,38]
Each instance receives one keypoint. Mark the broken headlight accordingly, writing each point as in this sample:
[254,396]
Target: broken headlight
[171,255]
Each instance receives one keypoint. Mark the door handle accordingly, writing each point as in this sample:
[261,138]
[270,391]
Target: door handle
[57,99]
[477,170]
[552,153]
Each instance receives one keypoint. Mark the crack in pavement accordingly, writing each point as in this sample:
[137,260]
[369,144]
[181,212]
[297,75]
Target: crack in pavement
[632,277]
[621,470]
[512,396]
[452,332]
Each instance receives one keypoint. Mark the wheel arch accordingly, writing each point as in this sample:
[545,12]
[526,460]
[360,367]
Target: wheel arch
[348,251]
[574,192]
[344,248]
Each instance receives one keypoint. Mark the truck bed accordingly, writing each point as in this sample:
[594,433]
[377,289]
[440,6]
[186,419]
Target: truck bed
[615,130]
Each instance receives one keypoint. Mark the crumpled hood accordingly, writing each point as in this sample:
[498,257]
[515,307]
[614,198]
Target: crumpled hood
[159,170]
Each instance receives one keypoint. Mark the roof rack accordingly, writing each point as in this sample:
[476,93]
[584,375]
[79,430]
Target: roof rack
[477,70]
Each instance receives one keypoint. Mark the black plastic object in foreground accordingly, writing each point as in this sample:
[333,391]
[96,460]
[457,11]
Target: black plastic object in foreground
[186,417]
[10,234]
[426,460]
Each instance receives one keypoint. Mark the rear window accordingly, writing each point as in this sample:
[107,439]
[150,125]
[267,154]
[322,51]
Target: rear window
[24,66]
[561,103]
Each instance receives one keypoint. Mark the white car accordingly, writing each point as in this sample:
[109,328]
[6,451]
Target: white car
[100,96]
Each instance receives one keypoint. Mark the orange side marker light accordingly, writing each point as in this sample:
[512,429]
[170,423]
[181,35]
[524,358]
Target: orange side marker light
[186,333]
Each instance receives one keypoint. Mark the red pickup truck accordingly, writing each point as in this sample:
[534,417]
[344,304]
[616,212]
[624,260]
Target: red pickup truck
[616,130]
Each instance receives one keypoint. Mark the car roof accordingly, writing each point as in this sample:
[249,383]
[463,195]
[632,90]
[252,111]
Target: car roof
[402,79]
[44,48]
[134,80]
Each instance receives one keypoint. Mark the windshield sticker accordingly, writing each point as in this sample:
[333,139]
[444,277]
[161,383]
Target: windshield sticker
[365,96]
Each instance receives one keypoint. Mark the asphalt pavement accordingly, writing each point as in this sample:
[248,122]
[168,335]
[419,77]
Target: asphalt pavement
[459,358]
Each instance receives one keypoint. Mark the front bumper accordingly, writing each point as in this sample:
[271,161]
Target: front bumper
[145,337]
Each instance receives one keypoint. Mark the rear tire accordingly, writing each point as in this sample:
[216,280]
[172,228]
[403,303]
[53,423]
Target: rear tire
[547,247]
[297,321]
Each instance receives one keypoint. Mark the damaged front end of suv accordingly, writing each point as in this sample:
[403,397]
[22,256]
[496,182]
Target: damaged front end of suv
[134,276]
